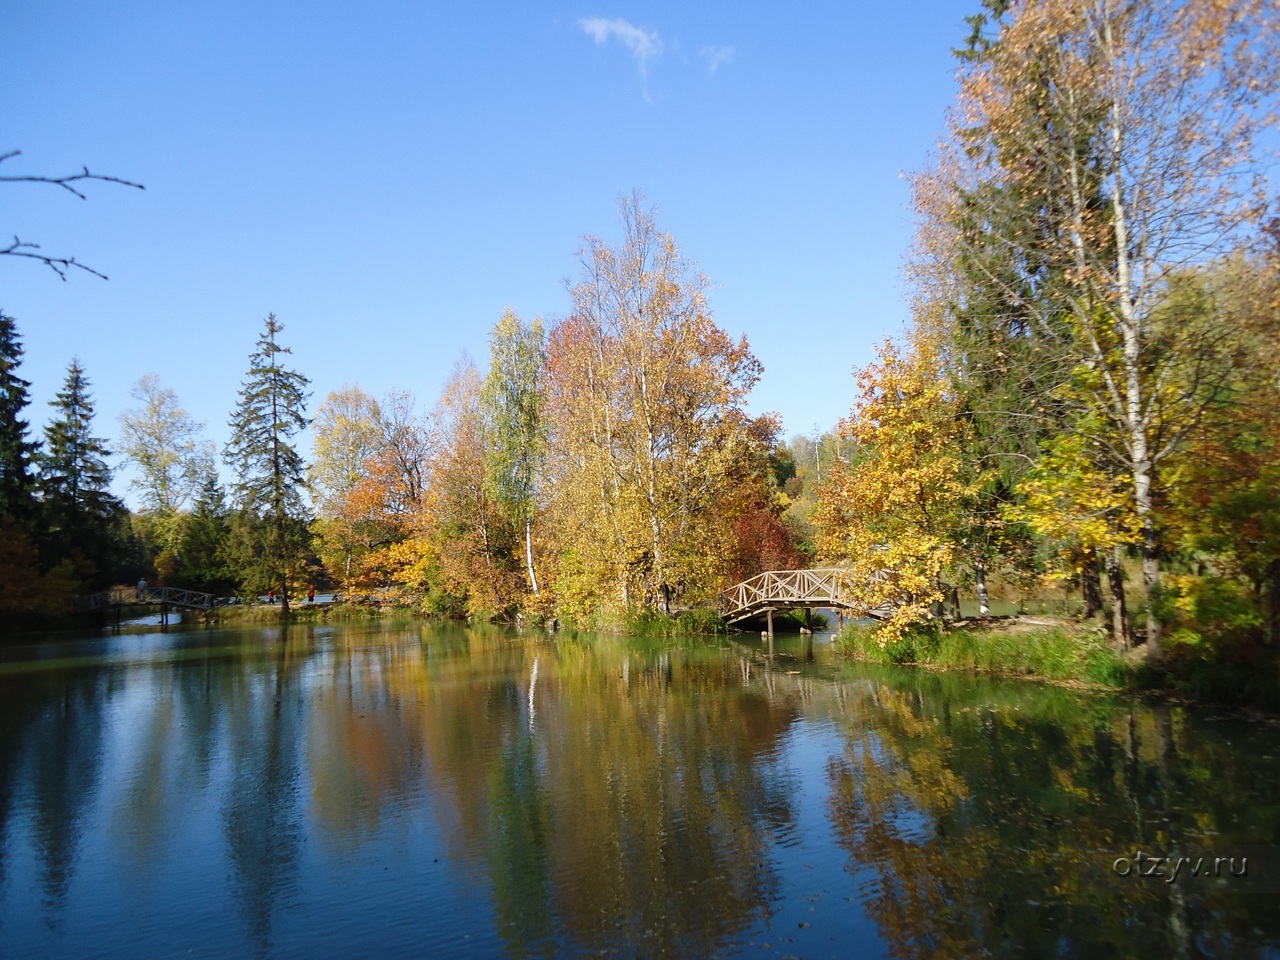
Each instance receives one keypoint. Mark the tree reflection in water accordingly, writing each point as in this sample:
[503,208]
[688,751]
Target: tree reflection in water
[444,789]
[987,824]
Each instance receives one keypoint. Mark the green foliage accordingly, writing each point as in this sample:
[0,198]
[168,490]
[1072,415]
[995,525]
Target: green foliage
[84,523]
[1056,653]
[650,622]
[17,453]
[162,441]
[270,534]
[916,645]
[512,402]
[203,542]
[1231,667]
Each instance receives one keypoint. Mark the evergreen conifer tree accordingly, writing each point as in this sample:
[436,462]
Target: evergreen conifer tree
[17,453]
[83,521]
[204,539]
[271,534]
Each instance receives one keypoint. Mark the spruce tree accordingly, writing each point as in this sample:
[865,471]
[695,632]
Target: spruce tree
[83,520]
[271,534]
[17,453]
[203,546]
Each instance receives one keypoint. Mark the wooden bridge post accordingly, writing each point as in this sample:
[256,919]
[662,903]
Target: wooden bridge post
[769,614]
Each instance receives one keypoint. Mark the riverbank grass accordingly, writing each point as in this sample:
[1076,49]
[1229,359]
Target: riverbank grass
[1056,651]
[645,622]
[257,613]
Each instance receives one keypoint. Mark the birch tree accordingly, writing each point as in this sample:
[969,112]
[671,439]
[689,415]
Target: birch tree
[163,442]
[513,405]
[644,408]
[476,544]
[348,431]
[1133,127]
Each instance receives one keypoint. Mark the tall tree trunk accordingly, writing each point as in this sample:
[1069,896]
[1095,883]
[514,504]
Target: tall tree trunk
[528,554]
[1091,583]
[1271,604]
[1133,341]
[1119,610]
[980,581]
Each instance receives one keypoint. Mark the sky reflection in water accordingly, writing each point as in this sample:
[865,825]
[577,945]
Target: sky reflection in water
[443,791]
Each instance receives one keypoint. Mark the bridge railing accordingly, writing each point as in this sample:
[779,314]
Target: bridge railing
[831,586]
[173,596]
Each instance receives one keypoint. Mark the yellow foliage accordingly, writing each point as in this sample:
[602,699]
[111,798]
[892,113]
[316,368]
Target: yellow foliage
[646,427]
[1069,498]
[896,507]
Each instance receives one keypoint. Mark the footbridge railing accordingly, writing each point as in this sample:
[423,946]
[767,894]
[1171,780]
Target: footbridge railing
[792,589]
[168,596]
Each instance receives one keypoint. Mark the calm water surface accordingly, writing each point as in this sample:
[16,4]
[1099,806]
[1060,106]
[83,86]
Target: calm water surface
[420,791]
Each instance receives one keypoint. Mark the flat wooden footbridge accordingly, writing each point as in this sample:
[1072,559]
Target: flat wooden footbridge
[778,590]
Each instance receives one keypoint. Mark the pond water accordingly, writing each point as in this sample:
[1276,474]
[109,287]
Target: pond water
[415,790]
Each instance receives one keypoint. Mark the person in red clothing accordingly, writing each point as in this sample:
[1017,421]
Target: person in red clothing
[311,594]
[271,595]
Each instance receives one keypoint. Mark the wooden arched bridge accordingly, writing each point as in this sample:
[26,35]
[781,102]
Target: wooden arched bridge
[779,590]
[116,599]
[166,596]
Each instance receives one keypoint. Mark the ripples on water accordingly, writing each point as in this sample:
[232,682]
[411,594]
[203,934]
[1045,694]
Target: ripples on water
[411,791]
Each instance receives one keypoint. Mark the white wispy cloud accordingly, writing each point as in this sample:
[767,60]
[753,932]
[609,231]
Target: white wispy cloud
[715,56]
[643,45]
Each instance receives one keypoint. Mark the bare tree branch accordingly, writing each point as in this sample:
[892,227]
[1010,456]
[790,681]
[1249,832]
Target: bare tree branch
[59,265]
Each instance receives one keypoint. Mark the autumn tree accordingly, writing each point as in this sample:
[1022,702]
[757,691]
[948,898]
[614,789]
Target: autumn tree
[754,509]
[1224,509]
[374,530]
[1133,127]
[810,458]
[894,514]
[644,413]
[270,474]
[348,430]
[512,399]
[475,541]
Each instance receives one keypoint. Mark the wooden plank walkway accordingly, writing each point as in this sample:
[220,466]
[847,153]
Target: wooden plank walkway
[776,590]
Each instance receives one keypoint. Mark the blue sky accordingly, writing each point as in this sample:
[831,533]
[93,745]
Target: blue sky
[388,177]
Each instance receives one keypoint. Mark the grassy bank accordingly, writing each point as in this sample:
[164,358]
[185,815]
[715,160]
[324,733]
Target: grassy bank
[1239,675]
[638,622]
[643,622]
[255,613]
[1061,652]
